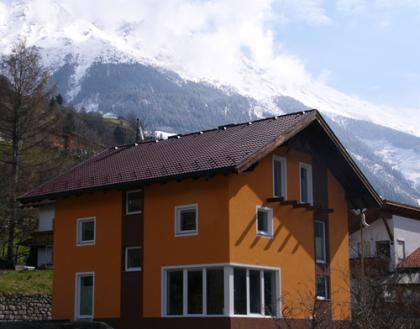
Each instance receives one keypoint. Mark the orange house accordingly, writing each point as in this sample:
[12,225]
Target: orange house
[235,227]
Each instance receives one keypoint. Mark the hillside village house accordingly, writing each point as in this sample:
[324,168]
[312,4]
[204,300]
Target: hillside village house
[221,228]
[391,249]
[392,235]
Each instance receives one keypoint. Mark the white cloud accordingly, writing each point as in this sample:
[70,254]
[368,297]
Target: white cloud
[351,7]
[310,12]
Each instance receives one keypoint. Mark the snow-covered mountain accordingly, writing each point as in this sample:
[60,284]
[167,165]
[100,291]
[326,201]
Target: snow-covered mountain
[118,68]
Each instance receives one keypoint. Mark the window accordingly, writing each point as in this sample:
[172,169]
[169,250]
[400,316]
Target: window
[197,291]
[133,259]
[264,221]
[322,287]
[248,297]
[239,290]
[255,292]
[269,293]
[220,290]
[305,183]
[186,220]
[383,250]
[175,293]
[215,295]
[320,242]
[400,250]
[279,177]
[86,231]
[134,202]
[84,295]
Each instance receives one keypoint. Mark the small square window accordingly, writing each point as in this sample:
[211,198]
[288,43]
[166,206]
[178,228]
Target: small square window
[133,259]
[186,220]
[322,287]
[86,231]
[134,202]
[264,221]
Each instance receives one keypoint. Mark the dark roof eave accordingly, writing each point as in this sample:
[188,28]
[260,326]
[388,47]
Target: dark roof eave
[28,201]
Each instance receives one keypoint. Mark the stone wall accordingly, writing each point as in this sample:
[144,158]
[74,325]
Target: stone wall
[25,308]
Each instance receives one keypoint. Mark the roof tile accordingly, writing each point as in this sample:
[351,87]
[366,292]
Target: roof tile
[210,150]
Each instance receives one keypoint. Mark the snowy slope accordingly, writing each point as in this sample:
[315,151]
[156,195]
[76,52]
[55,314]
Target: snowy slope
[76,50]
[50,26]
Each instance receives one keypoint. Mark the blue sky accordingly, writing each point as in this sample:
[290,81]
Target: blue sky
[366,48]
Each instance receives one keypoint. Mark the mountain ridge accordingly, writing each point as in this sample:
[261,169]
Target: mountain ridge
[112,71]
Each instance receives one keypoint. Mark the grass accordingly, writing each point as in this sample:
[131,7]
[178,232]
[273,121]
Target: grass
[26,282]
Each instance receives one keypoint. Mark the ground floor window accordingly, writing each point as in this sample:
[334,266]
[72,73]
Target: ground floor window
[84,295]
[322,287]
[223,290]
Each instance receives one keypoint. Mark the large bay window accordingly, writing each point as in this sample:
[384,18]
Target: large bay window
[221,290]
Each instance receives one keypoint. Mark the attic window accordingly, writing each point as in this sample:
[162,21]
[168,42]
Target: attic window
[134,202]
[305,171]
[279,177]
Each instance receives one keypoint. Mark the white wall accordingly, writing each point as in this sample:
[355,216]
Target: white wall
[407,230]
[376,231]
[46,217]
[44,256]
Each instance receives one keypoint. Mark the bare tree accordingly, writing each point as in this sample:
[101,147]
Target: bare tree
[26,118]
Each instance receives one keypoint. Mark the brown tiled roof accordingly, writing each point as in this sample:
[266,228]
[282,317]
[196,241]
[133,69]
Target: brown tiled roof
[225,149]
[412,261]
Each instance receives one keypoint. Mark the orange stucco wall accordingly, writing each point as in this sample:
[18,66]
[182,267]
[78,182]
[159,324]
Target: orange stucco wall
[226,234]
[103,258]
[161,246]
[292,247]
[339,251]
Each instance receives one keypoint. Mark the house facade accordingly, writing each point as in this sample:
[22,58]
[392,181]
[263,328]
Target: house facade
[234,227]
[392,235]
[41,242]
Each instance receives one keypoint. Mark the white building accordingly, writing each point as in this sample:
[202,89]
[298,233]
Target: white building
[42,241]
[393,233]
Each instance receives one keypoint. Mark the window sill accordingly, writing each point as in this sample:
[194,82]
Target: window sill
[88,243]
[322,262]
[322,299]
[134,269]
[133,213]
[265,235]
[189,233]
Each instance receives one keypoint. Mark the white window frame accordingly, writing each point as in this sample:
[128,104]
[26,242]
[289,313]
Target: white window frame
[79,225]
[283,161]
[308,167]
[131,269]
[269,212]
[79,275]
[178,210]
[326,280]
[322,261]
[126,202]
[228,289]
[398,241]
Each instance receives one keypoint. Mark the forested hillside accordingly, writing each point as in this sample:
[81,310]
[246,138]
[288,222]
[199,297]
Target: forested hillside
[41,136]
